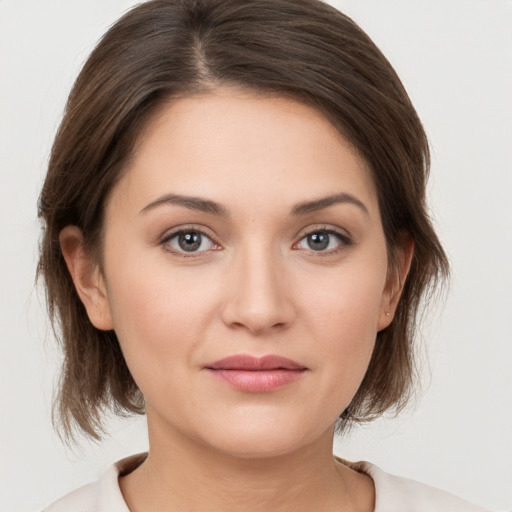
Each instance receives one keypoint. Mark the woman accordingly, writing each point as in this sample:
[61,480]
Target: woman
[237,245]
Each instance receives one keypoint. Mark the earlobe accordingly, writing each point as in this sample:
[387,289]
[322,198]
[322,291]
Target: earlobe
[87,278]
[395,281]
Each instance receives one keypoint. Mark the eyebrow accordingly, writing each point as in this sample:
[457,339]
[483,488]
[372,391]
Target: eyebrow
[319,204]
[190,202]
[208,206]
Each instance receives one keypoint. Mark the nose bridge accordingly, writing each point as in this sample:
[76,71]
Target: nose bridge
[258,298]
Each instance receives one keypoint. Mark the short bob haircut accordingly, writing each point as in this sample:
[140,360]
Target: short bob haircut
[163,49]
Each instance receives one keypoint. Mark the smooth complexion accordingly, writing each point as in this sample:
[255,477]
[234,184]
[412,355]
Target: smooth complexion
[244,228]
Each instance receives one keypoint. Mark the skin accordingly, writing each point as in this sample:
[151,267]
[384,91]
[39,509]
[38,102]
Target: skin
[254,286]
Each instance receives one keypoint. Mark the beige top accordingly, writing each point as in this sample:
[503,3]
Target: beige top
[393,493]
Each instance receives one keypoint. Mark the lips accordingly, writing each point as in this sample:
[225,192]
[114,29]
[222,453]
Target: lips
[251,363]
[256,374]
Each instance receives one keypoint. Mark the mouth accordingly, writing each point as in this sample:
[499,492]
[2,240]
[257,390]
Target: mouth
[256,374]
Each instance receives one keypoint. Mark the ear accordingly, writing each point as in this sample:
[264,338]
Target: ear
[395,281]
[86,275]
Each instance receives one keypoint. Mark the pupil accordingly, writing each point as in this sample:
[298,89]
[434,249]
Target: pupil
[318,241]
[190,241]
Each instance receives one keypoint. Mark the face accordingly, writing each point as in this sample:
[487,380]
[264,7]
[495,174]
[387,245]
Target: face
[245,272]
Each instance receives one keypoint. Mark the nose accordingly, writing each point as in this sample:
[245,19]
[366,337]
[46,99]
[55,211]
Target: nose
[258,295]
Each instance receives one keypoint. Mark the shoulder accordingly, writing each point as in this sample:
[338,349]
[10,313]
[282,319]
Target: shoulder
[397,494]
[103,495]
[80,500]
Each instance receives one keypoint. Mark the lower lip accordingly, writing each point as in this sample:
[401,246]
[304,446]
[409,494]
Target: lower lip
[258,381]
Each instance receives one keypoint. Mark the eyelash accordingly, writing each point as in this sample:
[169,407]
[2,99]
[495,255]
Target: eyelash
[344,240]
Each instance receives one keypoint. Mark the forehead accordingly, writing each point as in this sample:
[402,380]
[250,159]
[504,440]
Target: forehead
[233,146]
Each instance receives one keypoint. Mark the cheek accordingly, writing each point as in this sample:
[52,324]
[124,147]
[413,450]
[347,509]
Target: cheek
[343,316]
[347,301]
[158,316]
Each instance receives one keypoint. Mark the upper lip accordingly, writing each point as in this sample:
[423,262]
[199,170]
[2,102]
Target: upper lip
[252,363]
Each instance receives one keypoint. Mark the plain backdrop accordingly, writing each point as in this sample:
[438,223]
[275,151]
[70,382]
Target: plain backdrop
[455,59]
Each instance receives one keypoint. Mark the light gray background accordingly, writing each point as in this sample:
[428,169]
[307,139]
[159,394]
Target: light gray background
[455,58]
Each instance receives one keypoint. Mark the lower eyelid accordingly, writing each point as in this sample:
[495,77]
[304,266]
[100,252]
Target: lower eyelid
[165,241]
[343,238]
[344,242]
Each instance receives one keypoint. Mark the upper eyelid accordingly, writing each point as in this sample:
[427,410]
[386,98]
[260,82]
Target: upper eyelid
[171,233]
[344,239]
[299,235]
[323,227]
[343,234]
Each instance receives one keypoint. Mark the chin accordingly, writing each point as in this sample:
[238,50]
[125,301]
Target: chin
[263,441]
[260,447]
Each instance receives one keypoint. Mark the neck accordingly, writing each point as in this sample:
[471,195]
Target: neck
[180,474]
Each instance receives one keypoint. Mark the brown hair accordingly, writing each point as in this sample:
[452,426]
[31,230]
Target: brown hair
[303,49]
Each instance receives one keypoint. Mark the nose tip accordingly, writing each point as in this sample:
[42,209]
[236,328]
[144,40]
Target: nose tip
[258,299]
[257,320]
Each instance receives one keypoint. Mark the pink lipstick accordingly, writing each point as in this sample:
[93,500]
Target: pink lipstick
[256,374]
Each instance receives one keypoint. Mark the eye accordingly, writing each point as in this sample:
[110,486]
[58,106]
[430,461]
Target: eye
[188,241]
[324,240]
